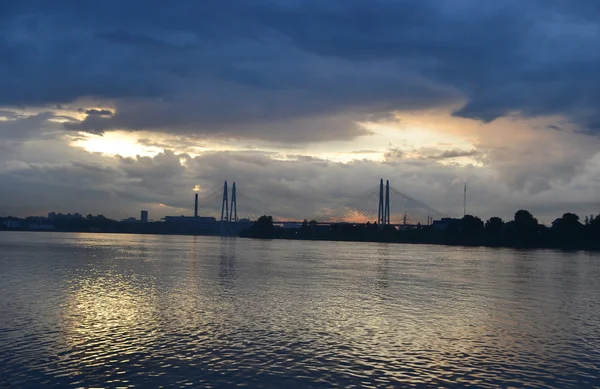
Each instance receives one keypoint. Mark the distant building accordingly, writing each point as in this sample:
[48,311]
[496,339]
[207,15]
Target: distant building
[290,225]
[16,224]
[189,224]
[190,220]
[40,227]
[61,216]
[130,220]
[36,219]
[446,223]
[144,216]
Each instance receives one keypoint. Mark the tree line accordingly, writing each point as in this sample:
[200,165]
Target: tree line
[523,231]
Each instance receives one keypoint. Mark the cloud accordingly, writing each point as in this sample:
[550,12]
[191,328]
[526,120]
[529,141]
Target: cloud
[124,37]
[394,154]
[289,75]
[453,154]
[182,144]
[237,66]
[364,152]
[531,159]
[18,127]
[100,112]
[38,176]
[429,153]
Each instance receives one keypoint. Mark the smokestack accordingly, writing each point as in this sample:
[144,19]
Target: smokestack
[196,205]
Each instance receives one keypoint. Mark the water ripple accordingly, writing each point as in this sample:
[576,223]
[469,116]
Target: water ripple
[127,311]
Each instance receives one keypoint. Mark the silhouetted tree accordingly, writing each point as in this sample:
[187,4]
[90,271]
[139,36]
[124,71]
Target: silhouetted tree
[265,222]
[568,231]
[570,220]
[524,229]
[525,219]
[594,224]
[494,226]
[472,226]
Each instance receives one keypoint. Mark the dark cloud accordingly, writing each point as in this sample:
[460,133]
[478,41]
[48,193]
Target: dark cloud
[286,72]
[123,37]
[234,66]
[453,154]
[100,112]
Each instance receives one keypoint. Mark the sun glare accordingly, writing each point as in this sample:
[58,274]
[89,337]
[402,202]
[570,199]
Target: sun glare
[416,141]
[114,143]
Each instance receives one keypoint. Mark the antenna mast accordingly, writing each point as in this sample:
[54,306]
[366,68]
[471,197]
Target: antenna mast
[465,201]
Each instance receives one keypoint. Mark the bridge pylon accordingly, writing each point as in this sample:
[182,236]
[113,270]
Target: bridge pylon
[381,210]
[387,203]
[383,214]
[233,208]
[224,205]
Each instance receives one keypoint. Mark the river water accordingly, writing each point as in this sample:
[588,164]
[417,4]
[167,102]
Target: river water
[116,311]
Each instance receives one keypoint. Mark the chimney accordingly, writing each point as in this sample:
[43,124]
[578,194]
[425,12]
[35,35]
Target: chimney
[196,205]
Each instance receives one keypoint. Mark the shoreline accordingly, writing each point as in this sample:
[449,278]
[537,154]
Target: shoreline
[326,239]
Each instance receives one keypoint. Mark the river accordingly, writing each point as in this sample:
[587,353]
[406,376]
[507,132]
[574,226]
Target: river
[117,311]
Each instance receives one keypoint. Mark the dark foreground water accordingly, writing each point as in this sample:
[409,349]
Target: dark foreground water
[109,311]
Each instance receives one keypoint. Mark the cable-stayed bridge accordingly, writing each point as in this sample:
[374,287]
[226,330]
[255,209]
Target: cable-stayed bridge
[381,204]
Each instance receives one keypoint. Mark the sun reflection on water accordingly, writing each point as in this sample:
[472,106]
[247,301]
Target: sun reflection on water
[105,320]
[152,311]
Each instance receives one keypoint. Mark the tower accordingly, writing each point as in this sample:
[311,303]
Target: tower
[387,203]
[381,210]
[233,208]
[225,205]
[196,205]
[465,201]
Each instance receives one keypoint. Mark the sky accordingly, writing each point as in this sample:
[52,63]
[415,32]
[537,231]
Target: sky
[112,107]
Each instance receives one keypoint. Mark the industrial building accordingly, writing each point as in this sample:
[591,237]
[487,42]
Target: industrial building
[208,225]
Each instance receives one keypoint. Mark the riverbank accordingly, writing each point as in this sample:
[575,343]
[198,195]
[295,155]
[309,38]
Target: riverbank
[378,239]
[511,236]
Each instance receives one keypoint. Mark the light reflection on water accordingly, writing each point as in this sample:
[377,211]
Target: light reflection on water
[91,310]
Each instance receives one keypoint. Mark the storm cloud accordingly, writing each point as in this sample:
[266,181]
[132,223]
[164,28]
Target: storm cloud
[305,78]
[233,66]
